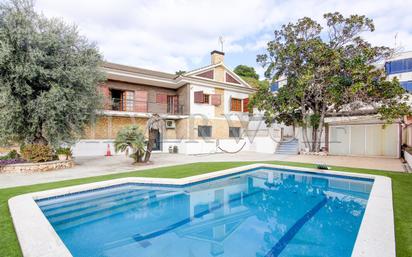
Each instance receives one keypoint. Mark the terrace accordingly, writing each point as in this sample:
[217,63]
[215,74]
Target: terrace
[143,99]
[127,105]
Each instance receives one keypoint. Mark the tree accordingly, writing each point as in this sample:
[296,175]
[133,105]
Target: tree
[48,77]
[131,137]
[328,72]
[180,72]
[154,124]
[246,71]
[249,75]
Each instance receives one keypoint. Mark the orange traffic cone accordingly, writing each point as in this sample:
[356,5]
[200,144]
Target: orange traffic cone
[108,152]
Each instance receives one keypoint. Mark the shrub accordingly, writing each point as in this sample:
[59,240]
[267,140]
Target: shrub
[12,155]
[131,137]
[37,153]
[64,150]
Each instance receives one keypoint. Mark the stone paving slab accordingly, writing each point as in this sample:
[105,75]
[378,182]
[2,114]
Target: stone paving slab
[101,165]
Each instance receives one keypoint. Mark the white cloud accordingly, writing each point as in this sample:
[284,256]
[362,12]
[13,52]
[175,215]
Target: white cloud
[179,34]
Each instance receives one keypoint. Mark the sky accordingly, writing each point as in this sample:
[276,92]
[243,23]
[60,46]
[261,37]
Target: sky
[172,35]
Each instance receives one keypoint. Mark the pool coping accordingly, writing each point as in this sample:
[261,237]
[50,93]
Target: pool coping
[37,238]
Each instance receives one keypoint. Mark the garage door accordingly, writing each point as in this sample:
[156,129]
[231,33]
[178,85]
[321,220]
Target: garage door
[364,140]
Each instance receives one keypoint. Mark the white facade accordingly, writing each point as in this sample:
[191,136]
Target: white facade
[200,108]
[364,140]
[406,74]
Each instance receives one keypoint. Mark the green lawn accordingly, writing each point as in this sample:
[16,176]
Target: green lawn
[401,182]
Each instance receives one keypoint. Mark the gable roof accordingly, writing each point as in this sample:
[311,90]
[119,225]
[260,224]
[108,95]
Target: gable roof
[129,74]
[201,70]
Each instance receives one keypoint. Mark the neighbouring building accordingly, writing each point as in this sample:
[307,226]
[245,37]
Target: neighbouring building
[364,134]
[400,67]
[196,107]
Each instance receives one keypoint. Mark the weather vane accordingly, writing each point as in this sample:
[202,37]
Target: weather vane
[221,41]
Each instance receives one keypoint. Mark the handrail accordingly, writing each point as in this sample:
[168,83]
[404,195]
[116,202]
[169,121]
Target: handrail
[131,105]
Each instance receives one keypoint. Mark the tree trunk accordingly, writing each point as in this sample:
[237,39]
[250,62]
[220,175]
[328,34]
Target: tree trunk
[305,131]
[138,157]
[150,144]
[39,139]
[305,137]
[320,126]
[314,139]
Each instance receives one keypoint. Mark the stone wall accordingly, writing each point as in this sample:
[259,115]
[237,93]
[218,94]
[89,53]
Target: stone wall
[37,167]
[188,128]
[107,127]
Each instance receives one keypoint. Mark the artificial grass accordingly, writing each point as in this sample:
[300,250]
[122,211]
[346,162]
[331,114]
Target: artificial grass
[401,189]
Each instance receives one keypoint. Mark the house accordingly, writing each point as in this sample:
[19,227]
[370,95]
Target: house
[206,109]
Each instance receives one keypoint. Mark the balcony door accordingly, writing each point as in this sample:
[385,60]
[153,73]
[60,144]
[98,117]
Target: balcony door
[128,101]
[122,100]
[172,104]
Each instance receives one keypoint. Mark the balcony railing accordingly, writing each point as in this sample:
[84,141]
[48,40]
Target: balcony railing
[116,104]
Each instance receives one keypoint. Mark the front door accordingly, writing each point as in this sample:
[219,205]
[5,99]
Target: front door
[158,144]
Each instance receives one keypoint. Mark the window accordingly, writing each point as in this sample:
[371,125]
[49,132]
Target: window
[407,85]
[234,132]
[274,87]
[206,98]
[204,131]
[399,66]
[122,100]
[235,105]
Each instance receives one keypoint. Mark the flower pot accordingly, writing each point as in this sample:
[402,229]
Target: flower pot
[62,157]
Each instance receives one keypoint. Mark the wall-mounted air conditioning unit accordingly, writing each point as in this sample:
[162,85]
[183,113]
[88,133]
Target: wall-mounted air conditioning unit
[170,124]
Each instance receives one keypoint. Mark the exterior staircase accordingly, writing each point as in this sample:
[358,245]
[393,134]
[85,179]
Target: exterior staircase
[288,147]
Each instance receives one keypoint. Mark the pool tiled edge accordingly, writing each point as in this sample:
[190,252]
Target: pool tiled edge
[37,237]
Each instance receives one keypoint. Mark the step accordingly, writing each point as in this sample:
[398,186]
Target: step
[77,201]
[287,147]
[286,151]
[93,203]
[103,205]
[103,213]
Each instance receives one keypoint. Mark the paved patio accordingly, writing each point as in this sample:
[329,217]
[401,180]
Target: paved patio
[100,165]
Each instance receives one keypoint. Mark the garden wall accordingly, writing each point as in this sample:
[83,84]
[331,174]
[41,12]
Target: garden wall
[408,158]
[36,167]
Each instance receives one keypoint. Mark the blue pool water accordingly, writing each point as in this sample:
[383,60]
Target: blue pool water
[259,213]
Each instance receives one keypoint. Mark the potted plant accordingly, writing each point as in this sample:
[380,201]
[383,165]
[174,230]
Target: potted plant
[64,153]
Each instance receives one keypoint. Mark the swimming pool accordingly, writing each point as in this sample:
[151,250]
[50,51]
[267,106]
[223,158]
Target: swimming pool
[263,211]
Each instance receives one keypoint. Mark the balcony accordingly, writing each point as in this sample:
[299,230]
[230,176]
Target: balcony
[117,104]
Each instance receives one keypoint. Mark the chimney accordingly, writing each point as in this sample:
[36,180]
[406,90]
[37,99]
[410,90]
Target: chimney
[217,56]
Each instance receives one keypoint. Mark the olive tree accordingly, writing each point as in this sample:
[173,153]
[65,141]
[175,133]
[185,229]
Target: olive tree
[48,77]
